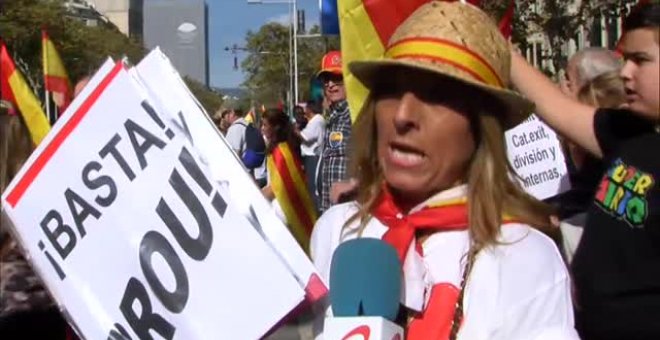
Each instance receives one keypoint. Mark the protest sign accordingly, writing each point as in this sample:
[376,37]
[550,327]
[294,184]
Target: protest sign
[125,224]
[537,157]
[164,84]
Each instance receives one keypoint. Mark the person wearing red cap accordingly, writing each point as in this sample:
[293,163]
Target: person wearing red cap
[334,158]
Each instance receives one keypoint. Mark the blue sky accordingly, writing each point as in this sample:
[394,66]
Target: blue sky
[229,21]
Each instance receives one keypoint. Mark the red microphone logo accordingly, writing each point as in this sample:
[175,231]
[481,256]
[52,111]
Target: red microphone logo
[359,333]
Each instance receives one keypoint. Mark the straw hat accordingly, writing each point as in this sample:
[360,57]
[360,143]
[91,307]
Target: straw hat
[452,40]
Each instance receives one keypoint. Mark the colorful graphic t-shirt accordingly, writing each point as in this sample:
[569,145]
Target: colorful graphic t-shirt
[617,265]
[623,191]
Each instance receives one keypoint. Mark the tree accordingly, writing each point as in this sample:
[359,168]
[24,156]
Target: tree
[267,63]
[558,21]
[83,48]
[210,100]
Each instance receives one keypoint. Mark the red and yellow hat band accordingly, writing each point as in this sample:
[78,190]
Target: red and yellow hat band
[446,52]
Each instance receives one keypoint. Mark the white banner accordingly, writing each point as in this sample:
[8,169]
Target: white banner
[166,87]
[537,157]
[134,235]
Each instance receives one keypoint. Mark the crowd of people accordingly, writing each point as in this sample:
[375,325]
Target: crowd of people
[424,168]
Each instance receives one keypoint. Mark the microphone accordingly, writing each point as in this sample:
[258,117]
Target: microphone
[365,290]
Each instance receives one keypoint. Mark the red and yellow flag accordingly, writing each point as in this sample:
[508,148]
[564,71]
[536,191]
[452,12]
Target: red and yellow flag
[15,90]
[366,27]
[290,188]
[56,80]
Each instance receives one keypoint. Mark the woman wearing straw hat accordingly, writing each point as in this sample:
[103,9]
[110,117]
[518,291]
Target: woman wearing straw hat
[434,183]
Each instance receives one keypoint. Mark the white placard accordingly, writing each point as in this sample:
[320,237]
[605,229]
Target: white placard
[164,84]
[131,233]
[537,157]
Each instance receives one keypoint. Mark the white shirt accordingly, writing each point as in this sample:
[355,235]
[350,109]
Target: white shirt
[236,136]
[261,171]
[519,289]
[313,136]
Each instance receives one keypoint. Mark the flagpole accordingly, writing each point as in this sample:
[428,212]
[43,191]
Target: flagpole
[44,71]
[47,100]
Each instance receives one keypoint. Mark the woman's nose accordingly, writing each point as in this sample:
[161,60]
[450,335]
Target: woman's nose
[406,116]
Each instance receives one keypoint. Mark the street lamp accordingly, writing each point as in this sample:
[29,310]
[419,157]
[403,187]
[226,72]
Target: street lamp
[294,20]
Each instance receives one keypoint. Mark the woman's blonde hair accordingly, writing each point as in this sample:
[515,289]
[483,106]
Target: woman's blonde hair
[491,192]
[606,90]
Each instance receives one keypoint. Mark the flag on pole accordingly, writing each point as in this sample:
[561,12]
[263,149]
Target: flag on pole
[15,90]
[56,80]
[290,188]
[366,27]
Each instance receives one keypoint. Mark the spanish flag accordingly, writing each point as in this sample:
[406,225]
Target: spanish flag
[15,90]
[56,80]
[288,183]
[366,27]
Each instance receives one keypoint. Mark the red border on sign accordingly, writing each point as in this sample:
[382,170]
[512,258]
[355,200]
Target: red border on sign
[50,149]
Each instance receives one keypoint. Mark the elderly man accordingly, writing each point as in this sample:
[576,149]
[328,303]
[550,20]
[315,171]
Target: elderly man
[334,158]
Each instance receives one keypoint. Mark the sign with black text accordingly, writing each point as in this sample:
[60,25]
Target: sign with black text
[132,234]
[537,157]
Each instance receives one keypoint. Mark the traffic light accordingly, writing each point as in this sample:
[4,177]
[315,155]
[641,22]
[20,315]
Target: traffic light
[301,21]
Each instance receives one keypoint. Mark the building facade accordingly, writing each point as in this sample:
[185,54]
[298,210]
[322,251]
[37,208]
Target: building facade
[180,29]
[125,14]
[601,30]
[85,12]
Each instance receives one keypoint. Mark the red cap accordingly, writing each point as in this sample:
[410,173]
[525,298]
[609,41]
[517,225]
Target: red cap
[331,63]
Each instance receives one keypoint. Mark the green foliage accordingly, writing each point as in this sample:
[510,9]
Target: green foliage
[82,48]
[558,21]
[211,101]
[267,63]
